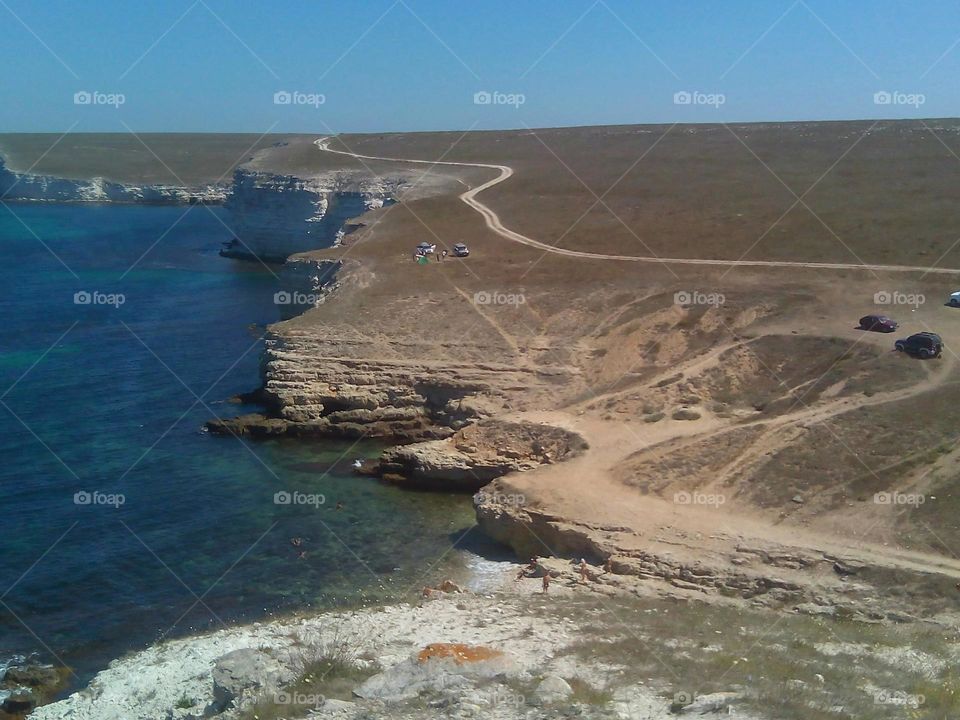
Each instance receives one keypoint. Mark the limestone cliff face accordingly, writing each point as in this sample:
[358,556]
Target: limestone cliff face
[347,385]
[275,216]
[323,386]
[22,186]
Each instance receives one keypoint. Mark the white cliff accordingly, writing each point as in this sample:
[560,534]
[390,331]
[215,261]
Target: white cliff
[275,216]
[23,187]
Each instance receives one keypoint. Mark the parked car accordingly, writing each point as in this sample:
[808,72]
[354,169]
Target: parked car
[922,345]
[461,250]
[426,248]
[954,299]
[878,323]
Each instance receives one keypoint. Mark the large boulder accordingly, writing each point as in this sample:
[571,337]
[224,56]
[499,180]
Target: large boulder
[440,666]
[552,689]
[245,673]
[19,701]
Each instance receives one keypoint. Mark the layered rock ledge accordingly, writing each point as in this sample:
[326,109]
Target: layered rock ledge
[317,386]
[474,456]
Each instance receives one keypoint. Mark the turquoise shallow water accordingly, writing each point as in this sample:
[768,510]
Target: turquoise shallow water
[103,398]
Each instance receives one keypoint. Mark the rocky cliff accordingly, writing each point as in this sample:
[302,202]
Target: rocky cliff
[339,381]
[23,186]
[342,386]
[275,216]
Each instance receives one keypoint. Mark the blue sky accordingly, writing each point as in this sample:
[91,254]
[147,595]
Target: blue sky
[382,65]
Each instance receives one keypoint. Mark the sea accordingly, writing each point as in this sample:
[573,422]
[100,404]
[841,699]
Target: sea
[123,521]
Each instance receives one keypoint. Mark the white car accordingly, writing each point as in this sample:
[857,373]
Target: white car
[954,299]
[426,248]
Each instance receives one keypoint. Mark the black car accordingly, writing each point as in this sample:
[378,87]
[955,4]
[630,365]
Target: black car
[922,345]
[878,323]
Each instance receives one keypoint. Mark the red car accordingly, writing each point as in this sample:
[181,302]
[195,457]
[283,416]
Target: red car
[878,323]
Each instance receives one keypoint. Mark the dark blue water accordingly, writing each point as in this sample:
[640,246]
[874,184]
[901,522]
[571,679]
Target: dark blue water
[111,398]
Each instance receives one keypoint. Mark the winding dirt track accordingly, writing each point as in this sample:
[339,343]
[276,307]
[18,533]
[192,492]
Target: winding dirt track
[492,221]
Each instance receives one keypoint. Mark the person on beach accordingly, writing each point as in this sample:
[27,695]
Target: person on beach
[584,577]
[546,583]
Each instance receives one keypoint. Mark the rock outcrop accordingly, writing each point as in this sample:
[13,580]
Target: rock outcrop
[474,456]
[244,673]
[24,684]
[275,216]
[349,386]
[438,667]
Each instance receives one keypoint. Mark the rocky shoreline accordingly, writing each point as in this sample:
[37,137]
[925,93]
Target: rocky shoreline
[458,653]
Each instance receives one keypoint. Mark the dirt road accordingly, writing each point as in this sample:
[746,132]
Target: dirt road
[492,221]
